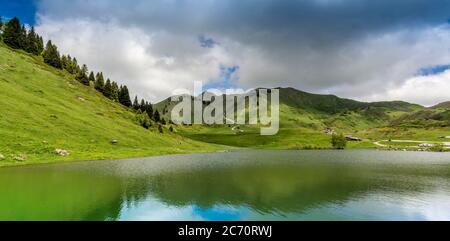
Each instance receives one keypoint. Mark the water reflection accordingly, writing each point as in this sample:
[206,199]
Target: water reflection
[251,185]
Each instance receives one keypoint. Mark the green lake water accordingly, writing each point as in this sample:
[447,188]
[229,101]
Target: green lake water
[247,185]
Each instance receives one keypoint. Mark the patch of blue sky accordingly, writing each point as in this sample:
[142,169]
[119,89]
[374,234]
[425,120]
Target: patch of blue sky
[433,70]
[25,10]
[228,78]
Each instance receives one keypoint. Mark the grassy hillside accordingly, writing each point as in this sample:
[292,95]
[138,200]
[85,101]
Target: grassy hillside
[443,105]
[436,116]
[303,118]
[43,109]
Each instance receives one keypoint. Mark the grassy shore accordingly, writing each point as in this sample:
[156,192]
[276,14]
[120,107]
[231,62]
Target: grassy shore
[44,109]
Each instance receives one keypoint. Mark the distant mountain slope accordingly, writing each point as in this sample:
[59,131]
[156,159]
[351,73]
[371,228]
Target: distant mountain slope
[443,105]
[314,111]
[43,109]
[436,116]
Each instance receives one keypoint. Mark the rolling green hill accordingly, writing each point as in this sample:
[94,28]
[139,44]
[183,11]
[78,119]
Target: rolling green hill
[43,109]
[443,105]
[436,116]
[304,116]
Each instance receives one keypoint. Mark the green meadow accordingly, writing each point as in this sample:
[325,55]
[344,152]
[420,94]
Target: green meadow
[44,109]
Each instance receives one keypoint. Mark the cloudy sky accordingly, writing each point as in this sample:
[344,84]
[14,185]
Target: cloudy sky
[363,49]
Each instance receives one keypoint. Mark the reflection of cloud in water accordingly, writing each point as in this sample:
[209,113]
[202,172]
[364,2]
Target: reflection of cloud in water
[250,185]
[219,212]
[153,210]
[385,206]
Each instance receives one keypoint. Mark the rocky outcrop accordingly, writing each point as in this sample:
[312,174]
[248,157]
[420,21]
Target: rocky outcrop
[20,157]
[62,152]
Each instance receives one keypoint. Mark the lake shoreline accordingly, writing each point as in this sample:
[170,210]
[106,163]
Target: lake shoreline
[233,149]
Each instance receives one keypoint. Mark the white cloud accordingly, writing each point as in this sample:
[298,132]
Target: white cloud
[151,64]
[428,90]
[154,47]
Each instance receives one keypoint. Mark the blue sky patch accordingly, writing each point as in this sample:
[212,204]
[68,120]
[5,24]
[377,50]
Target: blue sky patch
[228,78]
[25,10]
[433,70]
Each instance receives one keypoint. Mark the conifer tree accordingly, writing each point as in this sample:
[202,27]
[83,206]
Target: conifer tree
[115,92]
[23,38]
[149,110]
[136,103]
[32,42]
[64,62]
[156,116]
[143,105]
[99,82]
[124,96]
[82,75]
[40,44]
[75,66]
[70,65]
[107,91]
[51,55]
[91,78]
[13,33]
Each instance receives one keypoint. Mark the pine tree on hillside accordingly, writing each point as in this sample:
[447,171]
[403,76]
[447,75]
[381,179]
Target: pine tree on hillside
[51,55]
[64,62]
[115,92]
[156,116]
[13,33]
[82,75]
[91,78]
[32,42]
[136,103]
[107,91]
[68,64]
[142,105]
[99,82]
[149,110]
[40,44]
[23,42]
[124,96]
[75,66]
[1,23]
[72,65]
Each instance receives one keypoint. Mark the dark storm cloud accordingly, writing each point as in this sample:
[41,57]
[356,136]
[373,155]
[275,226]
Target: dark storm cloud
[346,47]
[317,22]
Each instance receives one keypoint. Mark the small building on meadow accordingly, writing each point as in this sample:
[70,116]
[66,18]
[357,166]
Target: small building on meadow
[352,138]
[425,145]
[329,131]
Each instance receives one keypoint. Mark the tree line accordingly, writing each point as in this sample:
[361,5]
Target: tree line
[16,36]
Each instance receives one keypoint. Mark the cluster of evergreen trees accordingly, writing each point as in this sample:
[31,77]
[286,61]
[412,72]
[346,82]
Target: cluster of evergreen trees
[145,107]
[15,35]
